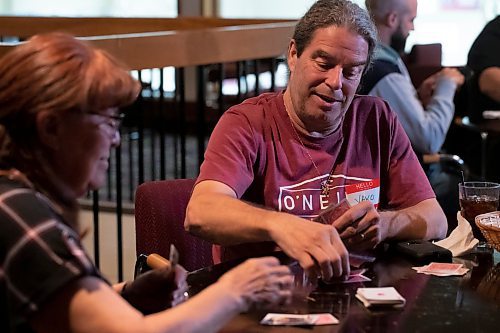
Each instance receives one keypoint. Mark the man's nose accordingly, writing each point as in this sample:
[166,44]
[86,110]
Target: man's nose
[334,78]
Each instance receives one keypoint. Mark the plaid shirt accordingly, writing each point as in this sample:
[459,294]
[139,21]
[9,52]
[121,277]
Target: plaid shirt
[39,254]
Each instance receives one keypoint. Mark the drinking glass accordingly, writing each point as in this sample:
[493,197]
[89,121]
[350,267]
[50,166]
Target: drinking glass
[477,198]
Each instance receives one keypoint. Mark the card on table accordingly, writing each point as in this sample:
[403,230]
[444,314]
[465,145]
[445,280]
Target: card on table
[442,269]
[384,296]
[288,319]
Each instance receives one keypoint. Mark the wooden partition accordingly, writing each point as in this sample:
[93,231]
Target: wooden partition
[165,131]
[25,26]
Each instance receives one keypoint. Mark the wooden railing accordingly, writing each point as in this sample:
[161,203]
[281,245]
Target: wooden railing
[163,130]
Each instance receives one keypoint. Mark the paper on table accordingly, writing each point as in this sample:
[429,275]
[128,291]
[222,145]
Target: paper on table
[461,240]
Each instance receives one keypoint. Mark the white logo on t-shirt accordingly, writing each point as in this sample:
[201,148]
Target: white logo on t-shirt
[305,199]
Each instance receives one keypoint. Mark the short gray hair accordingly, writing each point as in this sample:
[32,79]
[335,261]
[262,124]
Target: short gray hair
[338,13]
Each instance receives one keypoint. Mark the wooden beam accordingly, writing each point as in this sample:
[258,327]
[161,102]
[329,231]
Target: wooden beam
[195,47]
[24,27]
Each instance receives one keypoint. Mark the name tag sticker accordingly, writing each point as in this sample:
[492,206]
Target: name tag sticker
[364,191]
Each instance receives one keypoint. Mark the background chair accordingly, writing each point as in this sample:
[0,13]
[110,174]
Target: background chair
[423,61]
[160,209]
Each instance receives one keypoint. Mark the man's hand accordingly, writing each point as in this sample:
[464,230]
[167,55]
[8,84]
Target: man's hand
[317,247]
[426,89]
[453,74]
[360,227]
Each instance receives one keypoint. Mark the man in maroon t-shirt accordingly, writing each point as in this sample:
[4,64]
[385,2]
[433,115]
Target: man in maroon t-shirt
[277,161]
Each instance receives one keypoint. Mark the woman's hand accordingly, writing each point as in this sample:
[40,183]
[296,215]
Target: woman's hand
[156,290]
[259,281]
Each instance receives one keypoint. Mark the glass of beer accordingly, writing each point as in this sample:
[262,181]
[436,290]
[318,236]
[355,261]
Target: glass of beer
[477,198]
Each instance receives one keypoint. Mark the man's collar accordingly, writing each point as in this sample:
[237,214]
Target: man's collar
[385,52]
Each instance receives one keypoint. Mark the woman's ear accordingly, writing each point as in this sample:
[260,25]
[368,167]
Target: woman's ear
[48,126]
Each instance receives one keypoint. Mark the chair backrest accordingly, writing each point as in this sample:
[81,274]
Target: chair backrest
[423,61]
[426,54]
[160,209]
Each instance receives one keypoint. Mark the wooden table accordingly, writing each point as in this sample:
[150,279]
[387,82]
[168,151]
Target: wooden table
[470,303]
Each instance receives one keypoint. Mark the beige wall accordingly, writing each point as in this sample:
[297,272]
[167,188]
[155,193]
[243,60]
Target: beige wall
[108,243]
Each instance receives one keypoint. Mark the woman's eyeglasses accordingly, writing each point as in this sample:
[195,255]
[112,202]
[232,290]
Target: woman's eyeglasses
[113,120]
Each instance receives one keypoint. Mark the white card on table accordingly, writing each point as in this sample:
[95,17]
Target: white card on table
[380,296]
[288,319]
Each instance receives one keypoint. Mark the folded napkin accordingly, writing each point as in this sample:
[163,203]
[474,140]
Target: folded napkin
[461,240]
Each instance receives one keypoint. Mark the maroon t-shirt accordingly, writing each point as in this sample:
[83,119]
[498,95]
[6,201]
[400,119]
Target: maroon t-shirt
[255,151]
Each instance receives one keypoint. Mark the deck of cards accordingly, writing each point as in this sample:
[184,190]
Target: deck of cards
[442,269]
[377,297]
[287,319]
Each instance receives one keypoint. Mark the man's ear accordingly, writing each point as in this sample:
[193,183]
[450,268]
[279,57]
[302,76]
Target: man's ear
[392,19]
[292,55]
[48,126]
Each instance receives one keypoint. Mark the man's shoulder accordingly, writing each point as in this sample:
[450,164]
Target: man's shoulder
[257,109]
[257,103]
[383,67]
[368,102]
[378,70]
[368,108]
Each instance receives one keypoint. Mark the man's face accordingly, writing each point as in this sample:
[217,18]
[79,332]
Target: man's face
[324,79]
[406,18]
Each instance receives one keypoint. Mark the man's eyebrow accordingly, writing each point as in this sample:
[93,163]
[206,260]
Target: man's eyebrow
[322,54]
[327,56]
[359,63]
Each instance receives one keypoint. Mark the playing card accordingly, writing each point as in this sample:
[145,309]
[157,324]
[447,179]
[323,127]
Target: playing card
[443,268]
[332,212]
[388,296]
[325,319]
[442,271]
[173,256]
[286,319]
[356,259]
[354,277]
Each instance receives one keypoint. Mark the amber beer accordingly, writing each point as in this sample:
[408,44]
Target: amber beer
[477,198]
[475,205]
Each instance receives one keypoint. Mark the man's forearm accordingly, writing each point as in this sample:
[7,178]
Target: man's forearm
[227,221]
[424,220]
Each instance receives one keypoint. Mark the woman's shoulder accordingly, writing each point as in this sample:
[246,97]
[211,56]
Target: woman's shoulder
[21,204]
